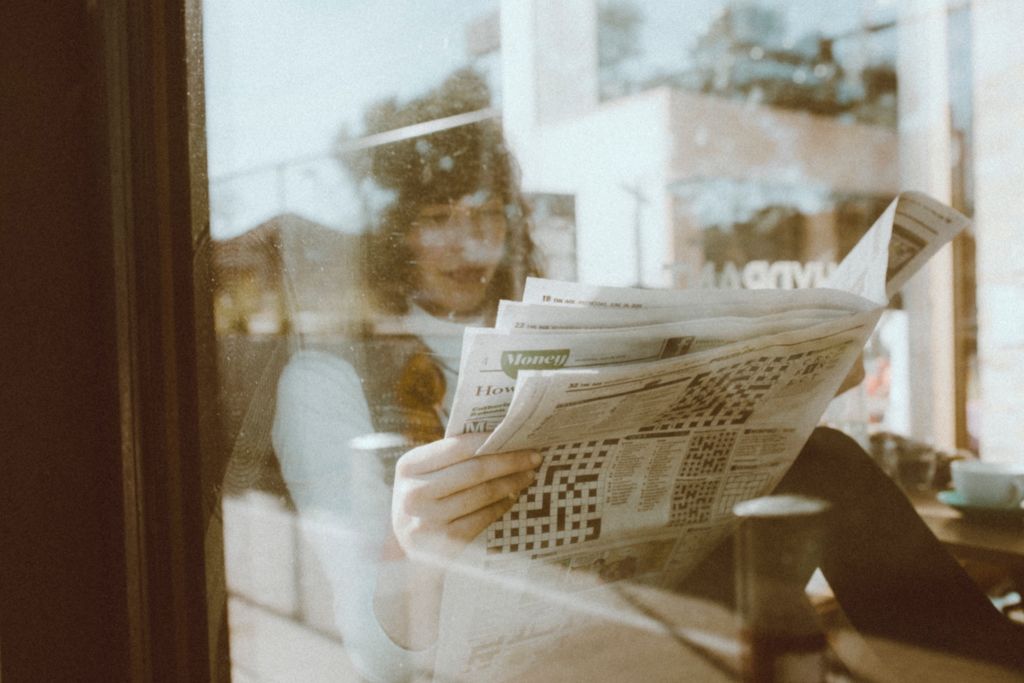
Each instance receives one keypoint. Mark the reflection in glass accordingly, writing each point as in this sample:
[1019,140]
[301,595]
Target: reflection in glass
[714,143]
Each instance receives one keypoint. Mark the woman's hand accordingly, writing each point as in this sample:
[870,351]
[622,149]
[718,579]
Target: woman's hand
[444,495]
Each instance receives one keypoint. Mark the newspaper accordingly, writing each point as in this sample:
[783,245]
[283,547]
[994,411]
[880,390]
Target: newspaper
[656,412]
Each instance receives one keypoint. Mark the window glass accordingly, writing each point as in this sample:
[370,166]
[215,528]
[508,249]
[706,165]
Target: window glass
[382,173]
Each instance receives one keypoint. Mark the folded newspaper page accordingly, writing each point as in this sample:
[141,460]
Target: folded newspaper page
[656,411]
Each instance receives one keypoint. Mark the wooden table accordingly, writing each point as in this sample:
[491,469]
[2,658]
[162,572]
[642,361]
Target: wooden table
[971,539]
[699,641]
[629,632]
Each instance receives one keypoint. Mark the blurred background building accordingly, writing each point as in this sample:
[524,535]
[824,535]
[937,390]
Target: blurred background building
[725,143]
[707,143]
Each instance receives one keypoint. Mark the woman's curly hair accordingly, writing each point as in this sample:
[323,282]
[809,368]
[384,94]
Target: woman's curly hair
[438,168]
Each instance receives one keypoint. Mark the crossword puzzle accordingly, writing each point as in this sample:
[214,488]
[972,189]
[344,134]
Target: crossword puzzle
[724,397]
[740,487]
[808,365]
[692,501]
[708,452]
[562,507]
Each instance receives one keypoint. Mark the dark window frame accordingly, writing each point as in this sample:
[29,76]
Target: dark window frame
[109,488]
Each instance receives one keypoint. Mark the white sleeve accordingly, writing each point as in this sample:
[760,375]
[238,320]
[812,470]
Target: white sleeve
[344,505]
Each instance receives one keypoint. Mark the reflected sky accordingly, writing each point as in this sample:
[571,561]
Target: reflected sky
[283,78]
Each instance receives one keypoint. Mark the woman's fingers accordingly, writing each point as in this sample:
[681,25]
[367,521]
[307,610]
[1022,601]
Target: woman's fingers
[483,495]
[469,527]
[438,455]
[444,495]
[474,471]
[484,479]
[447,540]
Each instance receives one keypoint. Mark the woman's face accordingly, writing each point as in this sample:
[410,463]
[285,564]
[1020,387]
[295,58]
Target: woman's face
[456,249]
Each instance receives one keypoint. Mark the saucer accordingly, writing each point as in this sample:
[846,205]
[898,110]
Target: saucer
[953,499]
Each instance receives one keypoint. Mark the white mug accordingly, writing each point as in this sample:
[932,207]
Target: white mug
[989,484]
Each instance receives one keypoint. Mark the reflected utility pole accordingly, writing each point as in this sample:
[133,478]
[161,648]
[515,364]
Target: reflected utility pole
[640,200]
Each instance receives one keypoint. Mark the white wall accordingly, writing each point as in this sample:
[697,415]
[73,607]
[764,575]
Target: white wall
[924,130]
[999,222]
[605,159]
[567,143]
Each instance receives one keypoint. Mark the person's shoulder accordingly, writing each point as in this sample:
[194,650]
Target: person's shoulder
[315,359]
[353,361]
[371,363]
[310,369]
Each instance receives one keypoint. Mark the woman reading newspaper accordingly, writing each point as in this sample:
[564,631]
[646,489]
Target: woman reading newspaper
[451,241]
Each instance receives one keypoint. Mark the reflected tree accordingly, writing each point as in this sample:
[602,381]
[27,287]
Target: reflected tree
[618,42]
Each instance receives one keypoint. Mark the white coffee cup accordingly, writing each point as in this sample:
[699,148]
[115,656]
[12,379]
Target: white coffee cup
[989,484]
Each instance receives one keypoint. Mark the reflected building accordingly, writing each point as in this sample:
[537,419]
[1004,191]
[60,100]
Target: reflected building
[756,159]
[750,153]
[286,274]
